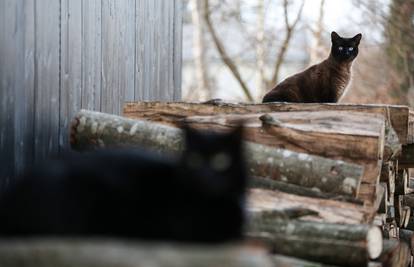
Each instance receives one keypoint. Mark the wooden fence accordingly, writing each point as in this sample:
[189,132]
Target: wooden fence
[57,56]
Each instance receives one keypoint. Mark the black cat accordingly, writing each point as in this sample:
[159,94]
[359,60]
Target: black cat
[133,194]
[324,82]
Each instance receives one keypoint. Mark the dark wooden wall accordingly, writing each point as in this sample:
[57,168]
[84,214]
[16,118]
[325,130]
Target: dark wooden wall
[58,56]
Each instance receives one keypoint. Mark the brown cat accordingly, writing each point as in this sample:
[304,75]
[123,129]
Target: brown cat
[321,83]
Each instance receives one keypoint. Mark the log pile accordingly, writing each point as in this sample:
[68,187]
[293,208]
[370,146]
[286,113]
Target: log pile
[325,177]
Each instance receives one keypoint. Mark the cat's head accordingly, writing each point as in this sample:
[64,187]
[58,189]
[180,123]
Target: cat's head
[214,161]
[345,49]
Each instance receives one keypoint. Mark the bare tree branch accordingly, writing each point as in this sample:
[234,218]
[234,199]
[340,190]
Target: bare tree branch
[285,44]
[223,53]
[260,46]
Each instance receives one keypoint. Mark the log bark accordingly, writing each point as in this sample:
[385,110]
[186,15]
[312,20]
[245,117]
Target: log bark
[406,159]
[384,199]
[408,200]
[410,225]
[92,130]
[261,201]
[337,244]
[345,135]
[388,173]
[407,236]
[390,230]
[104,253]
[395,254]
[397,116]
[402,182]
[402,212]
[410,134]
[269,184]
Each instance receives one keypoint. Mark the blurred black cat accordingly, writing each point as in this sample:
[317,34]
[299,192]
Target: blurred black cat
[133,194]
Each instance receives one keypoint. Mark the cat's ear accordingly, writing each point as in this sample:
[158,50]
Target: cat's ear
[335,37]
[357,38]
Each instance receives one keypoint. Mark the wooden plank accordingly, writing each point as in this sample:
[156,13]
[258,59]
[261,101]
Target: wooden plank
[126,60]
[9,41]
[112,94]
[178,43]
[140,45]
[154,87]
[397,116]
[47,78]
[18,85]
[118,56]
[71,66]
[26,152]
[91,54]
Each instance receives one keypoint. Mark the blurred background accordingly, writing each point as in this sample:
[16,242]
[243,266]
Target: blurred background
[239,49]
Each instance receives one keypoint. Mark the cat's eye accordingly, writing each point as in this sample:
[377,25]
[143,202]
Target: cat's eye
[351,49]
[340,48]
[220,162]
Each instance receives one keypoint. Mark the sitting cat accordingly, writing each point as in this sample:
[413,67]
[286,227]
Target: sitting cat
[321,83]
[134,194]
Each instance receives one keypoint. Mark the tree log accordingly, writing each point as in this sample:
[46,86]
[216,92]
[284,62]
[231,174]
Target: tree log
[408,200]
[388,172]
[91,130]
[410,134]
[301,131]
[337,244]
[395,254]
[402,182]
[407,236]
[410,225]
[104,253]
[266,183]
[406,159]
[384,198]
[262,201]
[402,212]
[397,116]
[390,230]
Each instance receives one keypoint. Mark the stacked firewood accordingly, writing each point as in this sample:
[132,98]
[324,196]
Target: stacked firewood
[330,182]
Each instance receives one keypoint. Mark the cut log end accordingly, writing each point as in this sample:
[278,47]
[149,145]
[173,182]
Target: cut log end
[374,242]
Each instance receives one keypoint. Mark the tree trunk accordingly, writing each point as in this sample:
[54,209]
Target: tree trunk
[269,184]
[337,244]
[203,90]
[395,254]
[331,211]
[93,130]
